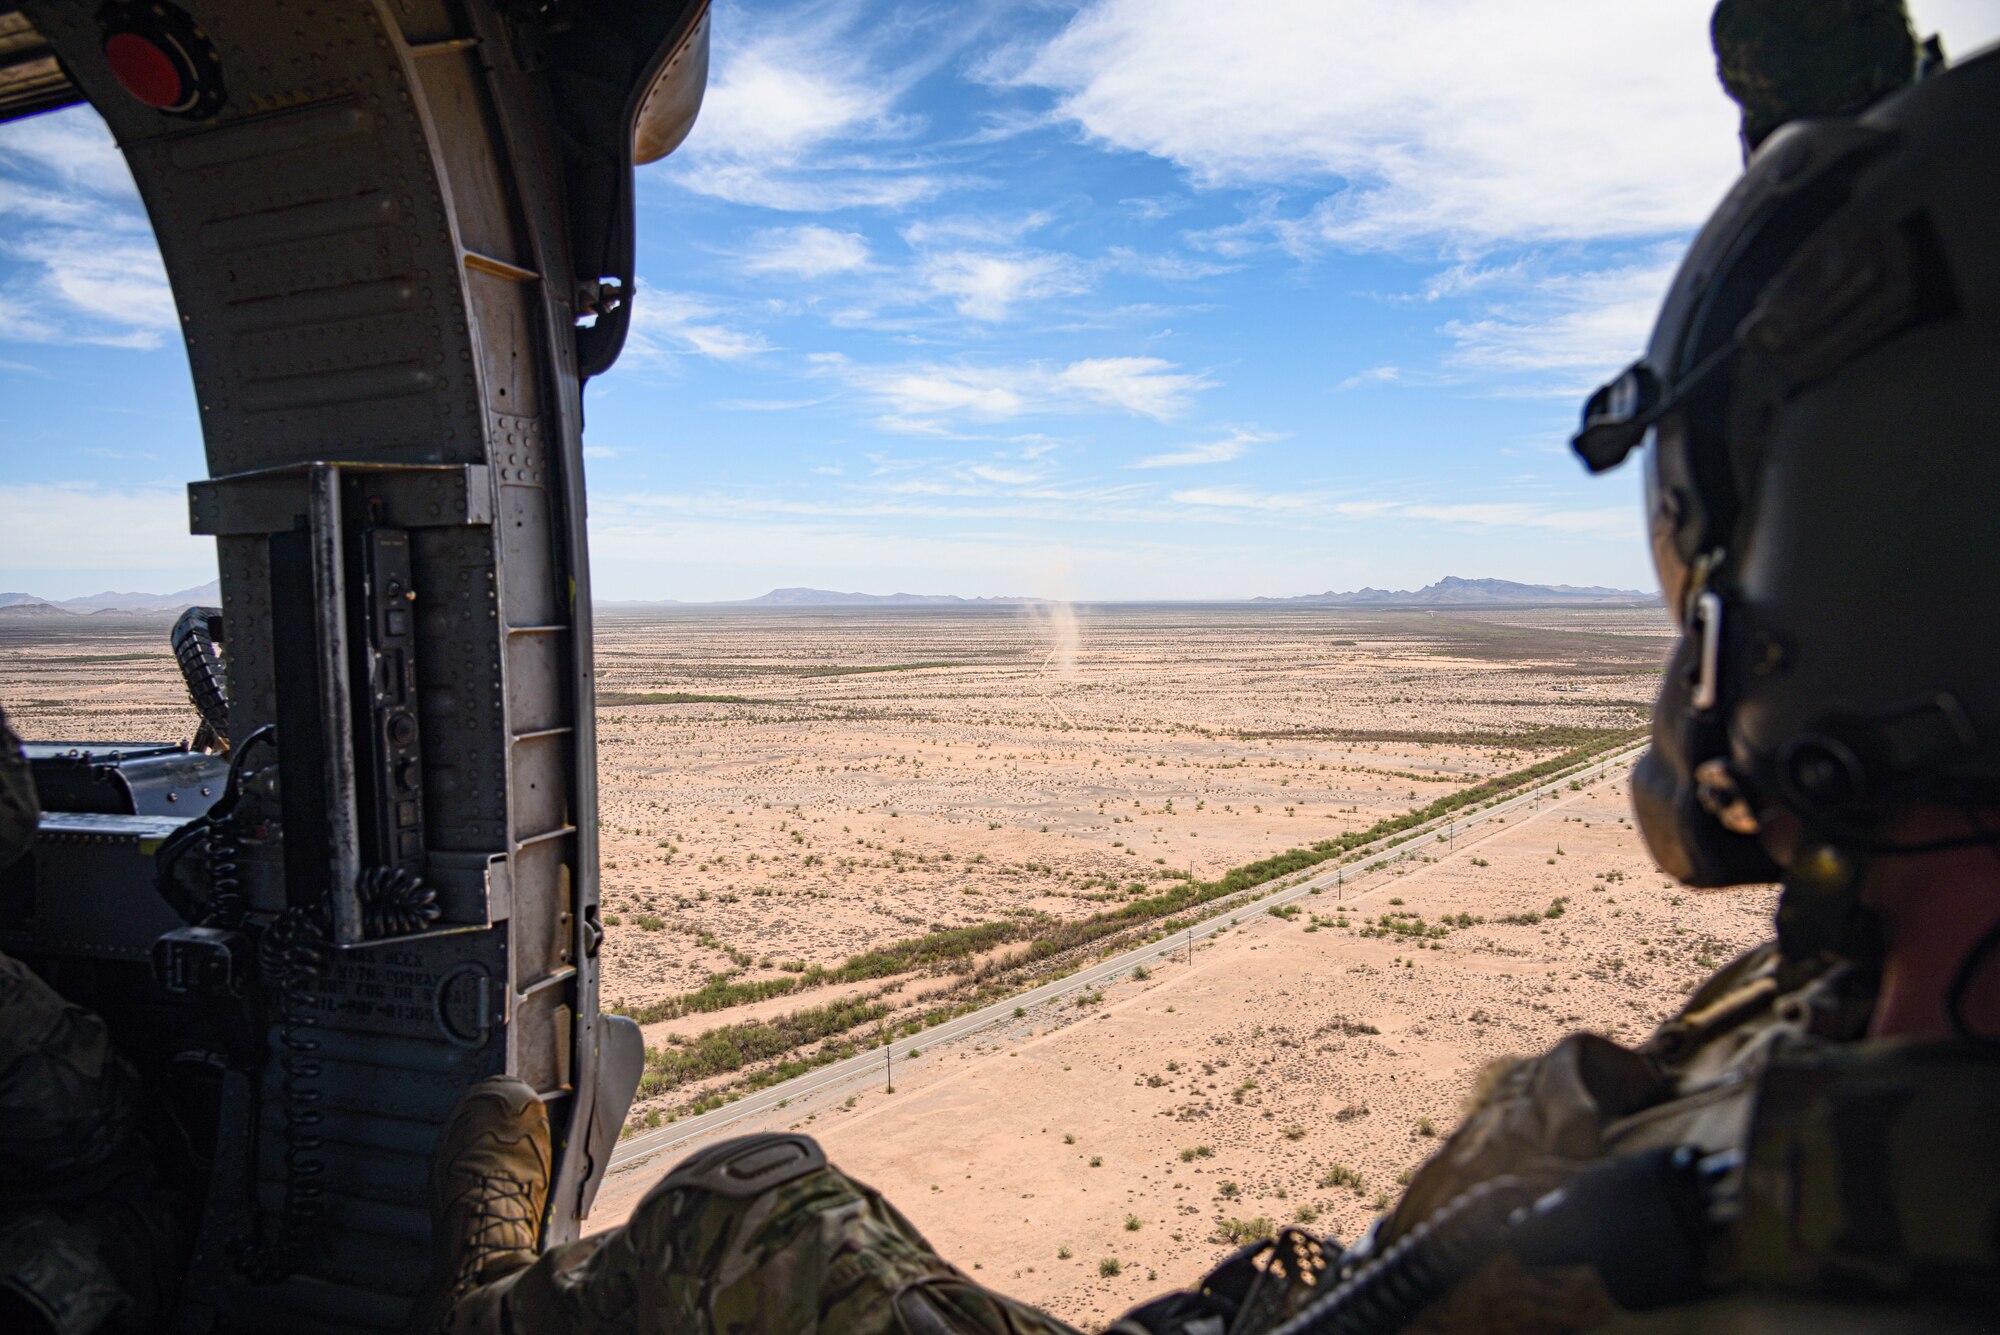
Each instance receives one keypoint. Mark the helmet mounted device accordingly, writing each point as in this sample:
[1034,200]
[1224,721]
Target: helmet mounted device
[1813,413]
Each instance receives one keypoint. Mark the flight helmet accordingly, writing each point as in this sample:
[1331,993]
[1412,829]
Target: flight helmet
[1818,411]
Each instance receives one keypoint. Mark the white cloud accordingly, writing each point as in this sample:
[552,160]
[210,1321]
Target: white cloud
[1578,326]
[920,396]
[1147,386]
[74,147]
[1006,477]
[88,269]
[1435,122]
[1243,498]
[1374,375]
[811,251]
[989,286]
[116,283]
[784,91]
[973,229]
[666,324]
[599,452]
[1170,268]
[1233,446]
[920,391]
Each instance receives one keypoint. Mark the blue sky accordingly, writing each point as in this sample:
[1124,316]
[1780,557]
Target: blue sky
[1118,299]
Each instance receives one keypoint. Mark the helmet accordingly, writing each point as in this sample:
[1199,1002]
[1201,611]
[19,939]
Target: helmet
[1820,410]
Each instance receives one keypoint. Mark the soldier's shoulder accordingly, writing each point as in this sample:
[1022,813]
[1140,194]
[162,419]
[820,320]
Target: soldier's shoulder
[1740,995]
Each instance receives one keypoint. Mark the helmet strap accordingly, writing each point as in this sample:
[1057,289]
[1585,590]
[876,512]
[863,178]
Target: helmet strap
[1820,914]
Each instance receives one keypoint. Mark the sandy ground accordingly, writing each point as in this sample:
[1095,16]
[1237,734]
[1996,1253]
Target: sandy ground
[783,789]
[809,785]
[1232,1087]
[897,773]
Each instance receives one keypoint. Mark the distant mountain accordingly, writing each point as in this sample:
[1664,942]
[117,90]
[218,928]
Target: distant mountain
[202,595]
[1451,591]
[206,595]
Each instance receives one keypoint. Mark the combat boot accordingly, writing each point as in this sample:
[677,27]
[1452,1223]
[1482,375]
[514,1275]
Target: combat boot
[489,1187]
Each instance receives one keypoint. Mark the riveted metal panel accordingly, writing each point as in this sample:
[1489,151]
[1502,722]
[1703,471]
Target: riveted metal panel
[358,247]
[460,693]
[538,786]
[454,90]
[537,679]
[529,590]
[543,909]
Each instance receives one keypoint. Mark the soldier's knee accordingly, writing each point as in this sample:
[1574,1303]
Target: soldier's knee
[709,1189]
[747,1166]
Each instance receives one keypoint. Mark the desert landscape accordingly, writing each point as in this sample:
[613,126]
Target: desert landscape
[821,827]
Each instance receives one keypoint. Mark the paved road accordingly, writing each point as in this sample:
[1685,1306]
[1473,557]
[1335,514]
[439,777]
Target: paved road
[870,1063]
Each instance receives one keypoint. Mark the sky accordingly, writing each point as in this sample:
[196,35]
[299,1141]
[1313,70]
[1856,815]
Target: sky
[1119,299]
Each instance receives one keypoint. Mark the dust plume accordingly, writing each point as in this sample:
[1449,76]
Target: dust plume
[1064,638]
[1058,614]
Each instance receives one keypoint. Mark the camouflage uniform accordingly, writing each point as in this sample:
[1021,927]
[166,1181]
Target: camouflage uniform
[752,1235]
[1867,1198]
[1869,1192]
[84,1229]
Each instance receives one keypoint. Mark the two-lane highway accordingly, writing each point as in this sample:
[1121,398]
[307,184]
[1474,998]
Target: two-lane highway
[870,1063]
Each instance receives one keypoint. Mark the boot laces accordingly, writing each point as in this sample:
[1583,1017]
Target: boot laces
[501,1220]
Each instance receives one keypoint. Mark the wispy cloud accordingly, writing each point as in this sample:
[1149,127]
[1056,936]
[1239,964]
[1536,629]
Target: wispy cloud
[989,286]
[1233,446]
[801,103]
[1245,498]
[920,398]
[1429,123]
[1567,330]
[810,251]
[1374,375]
[1148,386]
[1168,268]
[87,269]
[670,324]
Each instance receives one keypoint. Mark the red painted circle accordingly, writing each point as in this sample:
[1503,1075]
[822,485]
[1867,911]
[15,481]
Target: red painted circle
[144,70]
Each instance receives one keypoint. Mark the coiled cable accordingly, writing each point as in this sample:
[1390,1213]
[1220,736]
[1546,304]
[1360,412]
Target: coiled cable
[291,953]
[196,639]
[215,831]
[394,902]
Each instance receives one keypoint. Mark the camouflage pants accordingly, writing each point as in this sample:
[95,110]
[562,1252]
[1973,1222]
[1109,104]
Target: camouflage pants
[84,1229]
[813,1252]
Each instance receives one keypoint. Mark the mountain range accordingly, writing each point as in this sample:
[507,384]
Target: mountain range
[825,598]
[1451,591]
[110,602]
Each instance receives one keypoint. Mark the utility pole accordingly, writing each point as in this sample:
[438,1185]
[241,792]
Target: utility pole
[888,1071]
[1190,945]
